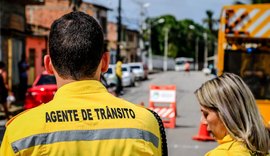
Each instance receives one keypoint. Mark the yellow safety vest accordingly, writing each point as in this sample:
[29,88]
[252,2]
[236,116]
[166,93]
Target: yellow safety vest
[83,119]
[119,69]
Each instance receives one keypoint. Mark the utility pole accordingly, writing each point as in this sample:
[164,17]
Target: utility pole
[141,46]
[205,50]
[197,54]
[143,6]
[9,64]
[165,49]
[150,25]
[119,31]
[150,63]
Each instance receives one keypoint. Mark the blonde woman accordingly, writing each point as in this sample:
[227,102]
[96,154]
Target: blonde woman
[230,112]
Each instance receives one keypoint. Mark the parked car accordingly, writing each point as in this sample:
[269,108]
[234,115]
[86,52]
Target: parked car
[110,75]
[44,88]
[140,72]
[110,87]
[128,77]
[42,91]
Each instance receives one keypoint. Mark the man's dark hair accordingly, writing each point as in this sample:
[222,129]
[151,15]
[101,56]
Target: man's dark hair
[76,45]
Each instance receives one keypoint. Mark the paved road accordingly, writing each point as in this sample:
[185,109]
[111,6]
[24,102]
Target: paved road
[187,123]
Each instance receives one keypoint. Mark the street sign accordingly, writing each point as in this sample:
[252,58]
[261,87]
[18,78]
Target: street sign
[162,95]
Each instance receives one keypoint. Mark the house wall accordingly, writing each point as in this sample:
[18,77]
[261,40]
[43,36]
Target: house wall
[40,18]
[36,48]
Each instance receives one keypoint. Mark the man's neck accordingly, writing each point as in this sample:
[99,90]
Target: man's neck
[61,82]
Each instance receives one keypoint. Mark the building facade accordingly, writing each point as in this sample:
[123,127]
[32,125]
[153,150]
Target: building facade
[13,35]
[129,43]
[39,19]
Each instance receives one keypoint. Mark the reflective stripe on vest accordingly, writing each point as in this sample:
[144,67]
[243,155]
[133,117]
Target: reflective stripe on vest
[84,135]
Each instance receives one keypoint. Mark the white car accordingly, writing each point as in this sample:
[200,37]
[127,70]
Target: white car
[128,78]
[110,75]
[138,70]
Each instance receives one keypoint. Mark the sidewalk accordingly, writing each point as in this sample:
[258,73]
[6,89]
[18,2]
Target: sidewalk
[14,110]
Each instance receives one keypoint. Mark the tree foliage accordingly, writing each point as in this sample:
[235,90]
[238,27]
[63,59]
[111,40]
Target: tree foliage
[210,21]
[181,37]
[259,1]
[253,2]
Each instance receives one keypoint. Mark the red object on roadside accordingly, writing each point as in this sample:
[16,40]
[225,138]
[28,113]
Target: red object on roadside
[203,135]
[163,101]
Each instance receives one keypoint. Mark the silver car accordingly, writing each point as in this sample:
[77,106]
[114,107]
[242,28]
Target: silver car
[139,71]
[110,75]
[128,77]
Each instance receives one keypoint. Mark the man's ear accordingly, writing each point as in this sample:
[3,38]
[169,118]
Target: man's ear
[105,61]
[48,64]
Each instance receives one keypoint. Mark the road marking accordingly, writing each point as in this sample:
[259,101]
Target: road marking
[186,146]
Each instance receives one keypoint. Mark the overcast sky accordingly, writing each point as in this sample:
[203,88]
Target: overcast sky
[181,9]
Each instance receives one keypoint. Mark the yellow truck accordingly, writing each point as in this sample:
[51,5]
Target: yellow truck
[244,49]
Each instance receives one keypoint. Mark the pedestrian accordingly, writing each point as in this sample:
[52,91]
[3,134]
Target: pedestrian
[83,118]
[187,67]
[230,112]
[119,88]
[212,70]
[4,89]
[23,67]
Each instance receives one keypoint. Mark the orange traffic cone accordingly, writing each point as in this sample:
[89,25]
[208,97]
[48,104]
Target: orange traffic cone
[203,134]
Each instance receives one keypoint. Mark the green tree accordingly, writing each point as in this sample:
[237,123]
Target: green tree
[210,21]
[172,50]
[253,2]
[158,33]
[184,36]
[181,38]
[259,1]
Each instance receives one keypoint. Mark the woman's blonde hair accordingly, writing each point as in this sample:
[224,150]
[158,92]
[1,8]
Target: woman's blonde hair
[236,107]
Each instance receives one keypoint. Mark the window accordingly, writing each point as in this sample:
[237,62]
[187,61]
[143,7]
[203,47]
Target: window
[31,60]
[44,52]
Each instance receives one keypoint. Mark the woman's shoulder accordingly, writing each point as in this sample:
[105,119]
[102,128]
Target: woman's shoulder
[233,148]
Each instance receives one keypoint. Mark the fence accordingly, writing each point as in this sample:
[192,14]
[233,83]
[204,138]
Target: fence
[157,62]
